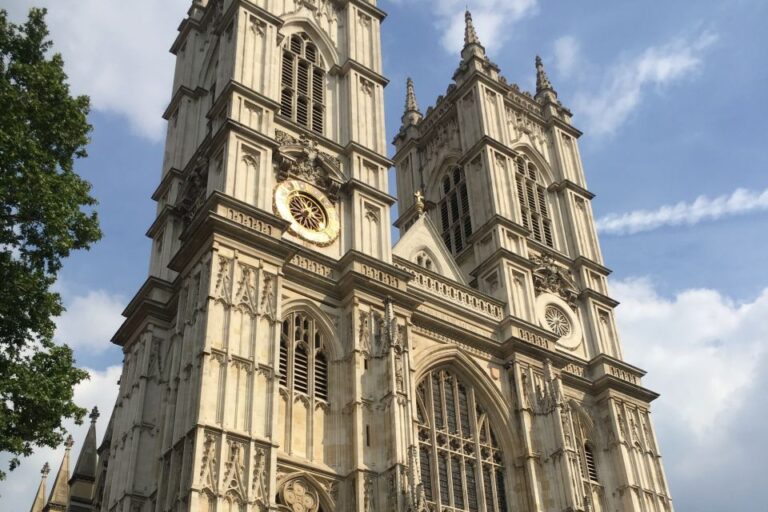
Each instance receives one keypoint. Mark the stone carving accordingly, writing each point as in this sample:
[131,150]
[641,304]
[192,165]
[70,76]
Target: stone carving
[550,277]
[223,290]
[193,190]
[234,467]
[322,11]
[300,158]
[208,476]
[246,290]
[300,496]
[365,331]
[368,494]
[260,477]
[268,306]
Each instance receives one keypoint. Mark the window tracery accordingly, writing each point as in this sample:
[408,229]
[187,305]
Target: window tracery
[533,198]
[303,357]
[461,463]
[456,221]
[302,83]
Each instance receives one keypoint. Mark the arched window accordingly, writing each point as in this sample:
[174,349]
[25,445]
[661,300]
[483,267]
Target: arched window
[589,462]
[454,210]
[461,464]
[534,207]
[302,83]
[425,261]
[303,357]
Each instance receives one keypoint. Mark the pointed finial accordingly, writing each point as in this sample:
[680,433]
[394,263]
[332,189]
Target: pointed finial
[420,205]
[410,97]
[412,114]
[542,80]
[45,471]
[69,443]
[470,34]
[94,415]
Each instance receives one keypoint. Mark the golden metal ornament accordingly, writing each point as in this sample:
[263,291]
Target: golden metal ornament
[311,214]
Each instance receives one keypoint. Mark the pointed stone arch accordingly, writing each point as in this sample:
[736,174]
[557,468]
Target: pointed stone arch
[535,156]
[324,322]
[449,160]
[470,371]
[297,23]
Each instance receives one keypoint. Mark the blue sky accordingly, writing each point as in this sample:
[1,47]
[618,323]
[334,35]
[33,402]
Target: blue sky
[671,97]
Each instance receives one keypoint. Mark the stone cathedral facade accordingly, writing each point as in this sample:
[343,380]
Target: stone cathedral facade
[283,355]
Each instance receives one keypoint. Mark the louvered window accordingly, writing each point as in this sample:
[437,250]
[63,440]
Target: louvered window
[589,462]
[455,218]
[533,199]
[303,357]
[458,451]
[302,84]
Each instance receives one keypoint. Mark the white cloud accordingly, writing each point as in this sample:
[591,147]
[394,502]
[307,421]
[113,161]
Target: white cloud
[492,19]
[624,86]
[706,355]
[90,320]
[567,55]
[740,202]
[116,52]
[17,492]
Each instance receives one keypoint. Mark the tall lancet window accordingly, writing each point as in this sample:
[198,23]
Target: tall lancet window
[455,218]
[460,461]
[534,202]
[303,357]
[302,83]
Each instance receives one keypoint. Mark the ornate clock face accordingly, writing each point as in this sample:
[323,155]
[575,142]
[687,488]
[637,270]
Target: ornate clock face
[312,215]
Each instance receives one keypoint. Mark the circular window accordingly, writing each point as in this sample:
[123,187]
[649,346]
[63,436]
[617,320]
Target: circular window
[556,316]
[307,211]
[557,321]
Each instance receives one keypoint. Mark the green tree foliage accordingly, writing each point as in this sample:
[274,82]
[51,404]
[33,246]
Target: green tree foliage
[46,211]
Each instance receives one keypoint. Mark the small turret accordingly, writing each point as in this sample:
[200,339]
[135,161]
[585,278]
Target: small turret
[412,114]
[59,498]
[84,476]
[472,45]
[39,503]
[544,89]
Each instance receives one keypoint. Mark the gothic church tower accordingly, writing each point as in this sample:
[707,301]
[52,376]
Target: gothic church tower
[284,356]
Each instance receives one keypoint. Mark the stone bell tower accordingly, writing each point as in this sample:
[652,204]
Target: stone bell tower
[499,174]
[242,386]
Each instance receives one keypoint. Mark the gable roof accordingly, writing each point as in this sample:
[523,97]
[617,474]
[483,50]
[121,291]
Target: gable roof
[423,235]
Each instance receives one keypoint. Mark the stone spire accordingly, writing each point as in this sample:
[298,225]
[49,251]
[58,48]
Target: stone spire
[39,503]
[84,476]
[59,499]
[470,35]
[472,45]
[412,113]
[544,87]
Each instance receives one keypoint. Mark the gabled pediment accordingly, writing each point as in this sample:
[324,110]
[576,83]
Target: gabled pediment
[422,241]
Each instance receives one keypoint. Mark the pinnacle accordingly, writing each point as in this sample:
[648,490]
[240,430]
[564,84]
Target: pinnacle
[470,34]
[410,97]
[94,415]
[412,114]
[542,80]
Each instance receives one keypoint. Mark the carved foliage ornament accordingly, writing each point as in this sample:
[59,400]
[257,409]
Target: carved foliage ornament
[550,277]
[301,159]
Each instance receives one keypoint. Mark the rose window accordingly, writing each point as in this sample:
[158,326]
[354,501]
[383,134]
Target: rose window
[307,211]
[558,321]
